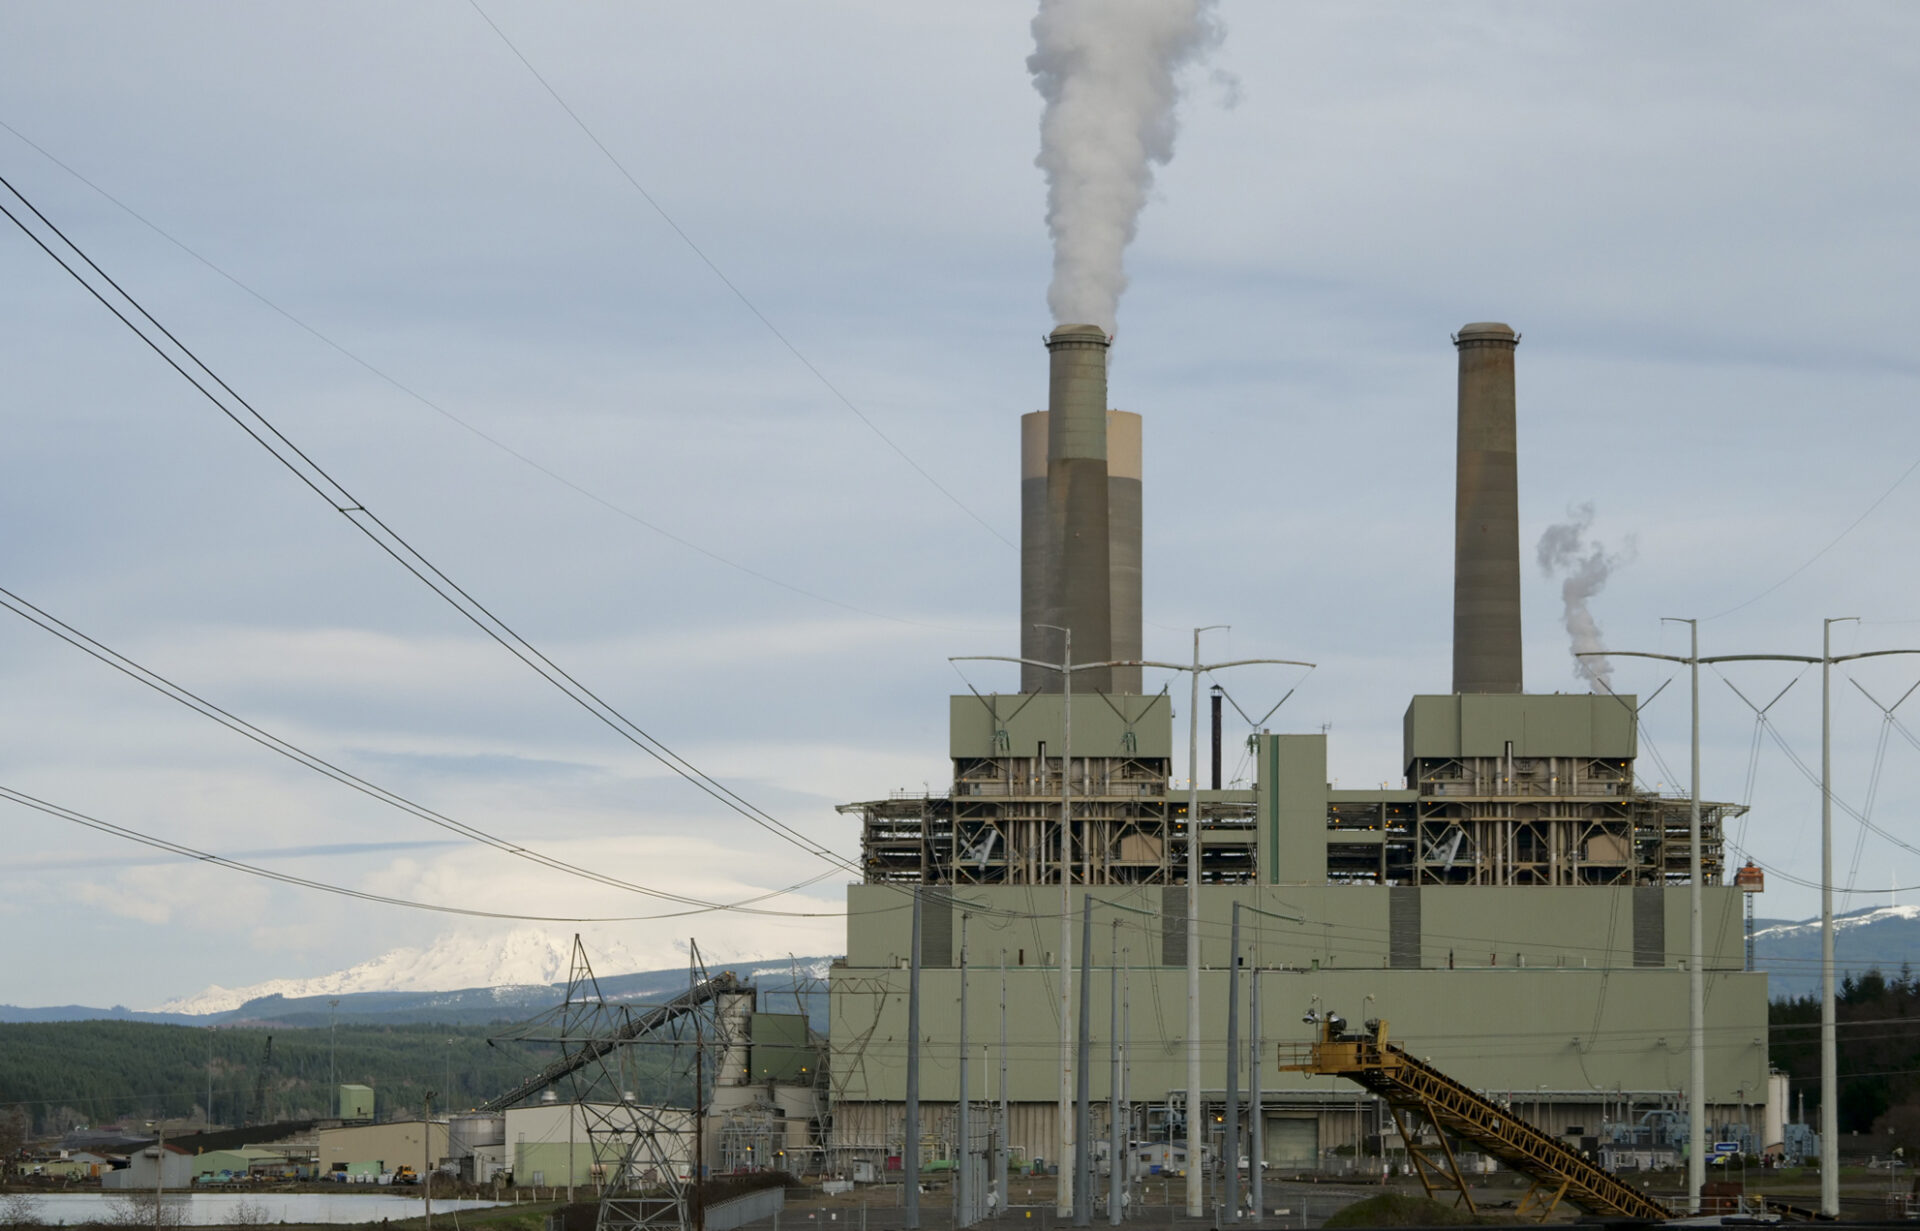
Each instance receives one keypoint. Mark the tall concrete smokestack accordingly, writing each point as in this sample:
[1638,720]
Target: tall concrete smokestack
[1123,542]
[1079,589]
[1036,557]
[1486,538]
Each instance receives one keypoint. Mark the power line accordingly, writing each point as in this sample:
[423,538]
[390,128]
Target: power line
[320,765]
[188,852]
[323,484]
[1835,542]
[739,294]
[455,419]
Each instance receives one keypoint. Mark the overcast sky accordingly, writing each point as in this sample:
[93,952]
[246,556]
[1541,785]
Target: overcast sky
[1700,217]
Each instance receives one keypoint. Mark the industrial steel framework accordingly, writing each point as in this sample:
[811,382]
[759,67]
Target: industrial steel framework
[1001,826]
[1421,1098]
[1523,821]
[644,1157]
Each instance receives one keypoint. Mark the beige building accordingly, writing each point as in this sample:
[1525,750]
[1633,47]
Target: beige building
[413,1143]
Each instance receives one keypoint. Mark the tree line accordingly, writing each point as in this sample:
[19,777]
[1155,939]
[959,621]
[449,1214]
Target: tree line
[63,1075]
[1878,1020]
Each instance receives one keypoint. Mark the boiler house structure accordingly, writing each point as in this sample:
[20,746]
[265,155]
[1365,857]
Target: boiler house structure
[1517,909]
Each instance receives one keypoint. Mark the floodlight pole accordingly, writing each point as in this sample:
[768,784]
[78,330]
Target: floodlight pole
[1696,977]
[1196,1196]
[1063,1193]
[964,1213]
[1063,1200]
[1829,1044]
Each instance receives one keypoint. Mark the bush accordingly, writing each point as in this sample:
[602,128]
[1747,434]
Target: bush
[19,1210]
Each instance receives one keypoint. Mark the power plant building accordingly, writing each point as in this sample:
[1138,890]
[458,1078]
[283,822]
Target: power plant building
[1517,910]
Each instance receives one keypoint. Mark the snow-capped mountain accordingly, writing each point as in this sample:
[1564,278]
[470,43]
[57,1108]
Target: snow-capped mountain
[520,958]
[1779,933]
[1880,937]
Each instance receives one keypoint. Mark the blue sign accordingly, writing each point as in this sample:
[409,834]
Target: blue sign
[1726,1147]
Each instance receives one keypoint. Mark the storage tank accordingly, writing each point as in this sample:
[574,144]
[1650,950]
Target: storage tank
[466,1132]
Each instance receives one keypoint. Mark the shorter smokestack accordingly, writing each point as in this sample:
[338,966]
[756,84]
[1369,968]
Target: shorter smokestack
[1486,541]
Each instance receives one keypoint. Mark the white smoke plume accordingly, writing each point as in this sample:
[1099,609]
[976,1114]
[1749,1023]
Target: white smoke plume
[1108,70]
[1584,567]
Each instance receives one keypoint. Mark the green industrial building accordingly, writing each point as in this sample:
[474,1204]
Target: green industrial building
[1516,911]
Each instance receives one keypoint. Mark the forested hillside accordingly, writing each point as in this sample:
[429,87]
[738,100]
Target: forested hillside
[65,1074]
[1879,1062]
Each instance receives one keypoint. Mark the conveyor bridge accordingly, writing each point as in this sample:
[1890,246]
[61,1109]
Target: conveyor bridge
[646,1023]
[1421,1097]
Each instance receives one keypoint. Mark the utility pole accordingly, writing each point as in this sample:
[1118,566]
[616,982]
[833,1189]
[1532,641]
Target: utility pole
[1126,1065]
[1257,1130]
[1000,1156]
[1064,1195]
[1114,1151]
[963,1211]
[426,1156]
[1083,1150]
[209,1117]
[1256,1116]
[910,1153]
[1195,1198]
[1230,1135]
[1829,1044]
[1696,945]
[159,1171]
[333,1087]
[699,1127]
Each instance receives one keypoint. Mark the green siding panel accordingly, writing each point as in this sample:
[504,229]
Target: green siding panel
[1549,725]
[1016,724]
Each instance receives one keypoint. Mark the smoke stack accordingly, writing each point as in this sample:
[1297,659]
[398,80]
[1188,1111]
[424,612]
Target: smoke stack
[1123,543]
[1486,542]
[1078,590]
[1036,558]
[1217,692]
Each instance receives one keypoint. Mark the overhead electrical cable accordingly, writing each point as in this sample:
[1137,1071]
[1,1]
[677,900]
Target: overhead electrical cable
[321,483]
[729,283]
[235,865]
[455,419]
[167,688]
[1833,543]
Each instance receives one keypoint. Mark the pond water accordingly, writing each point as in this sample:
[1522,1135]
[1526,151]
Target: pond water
[236,1209]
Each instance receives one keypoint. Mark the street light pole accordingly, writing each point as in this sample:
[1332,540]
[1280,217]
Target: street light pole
[1696,942]
[1063,1191]
[1829,1045]
[1195,1197]
[333,1088]
[1196,1178]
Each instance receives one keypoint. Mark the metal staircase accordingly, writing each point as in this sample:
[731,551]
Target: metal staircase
[1419,1096]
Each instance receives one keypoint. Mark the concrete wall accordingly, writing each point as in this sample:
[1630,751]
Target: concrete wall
[1505,1028]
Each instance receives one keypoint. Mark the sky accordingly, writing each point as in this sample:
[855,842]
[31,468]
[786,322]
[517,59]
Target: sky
[715,400]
